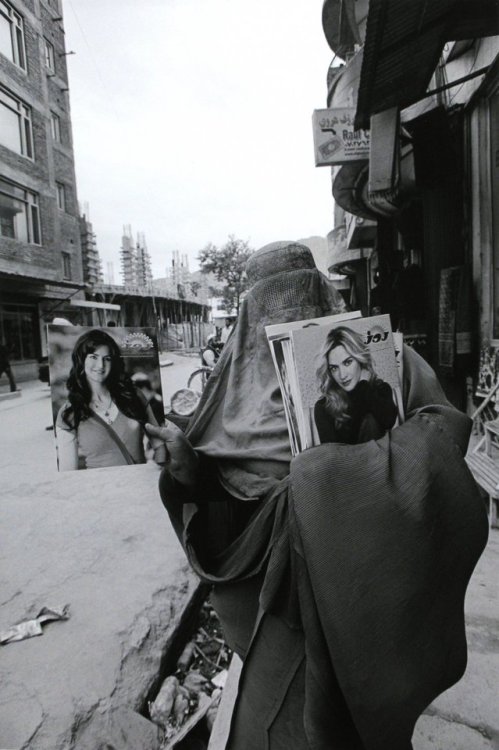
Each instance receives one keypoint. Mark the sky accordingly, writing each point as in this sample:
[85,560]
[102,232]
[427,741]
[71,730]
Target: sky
[192,121]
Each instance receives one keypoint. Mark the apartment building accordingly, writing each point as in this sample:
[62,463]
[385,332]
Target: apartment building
[40,235]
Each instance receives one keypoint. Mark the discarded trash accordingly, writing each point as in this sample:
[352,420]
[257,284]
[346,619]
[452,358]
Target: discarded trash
[180,708]
[220,679]
[195,681]
[30,628]
[161,708]
[173,738]
[186,656]
[188,700]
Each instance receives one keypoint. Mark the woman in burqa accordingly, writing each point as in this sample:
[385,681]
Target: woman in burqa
[339,575]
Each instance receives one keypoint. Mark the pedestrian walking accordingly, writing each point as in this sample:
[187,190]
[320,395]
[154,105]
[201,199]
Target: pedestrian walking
[5,366]
[211,352]
[339,575]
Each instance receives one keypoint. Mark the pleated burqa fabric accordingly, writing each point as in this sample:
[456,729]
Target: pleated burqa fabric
[340,575]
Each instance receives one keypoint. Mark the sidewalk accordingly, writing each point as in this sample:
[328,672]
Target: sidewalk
[466,717]
[101,542]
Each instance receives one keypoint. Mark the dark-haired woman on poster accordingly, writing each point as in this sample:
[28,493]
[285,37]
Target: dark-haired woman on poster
[356,405]
[102,422]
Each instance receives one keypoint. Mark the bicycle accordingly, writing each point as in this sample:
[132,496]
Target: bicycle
[184,401]
[198,379]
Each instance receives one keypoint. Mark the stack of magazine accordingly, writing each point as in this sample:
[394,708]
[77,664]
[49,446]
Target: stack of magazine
[297,348]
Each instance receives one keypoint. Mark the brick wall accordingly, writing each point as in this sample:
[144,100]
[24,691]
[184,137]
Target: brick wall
[53,162]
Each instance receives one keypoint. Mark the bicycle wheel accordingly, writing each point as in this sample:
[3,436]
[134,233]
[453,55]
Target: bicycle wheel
[198,379]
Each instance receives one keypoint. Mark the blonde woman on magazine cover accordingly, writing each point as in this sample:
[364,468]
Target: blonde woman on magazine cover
[355,405]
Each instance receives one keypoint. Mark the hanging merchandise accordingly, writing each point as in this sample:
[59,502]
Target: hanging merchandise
[454,318]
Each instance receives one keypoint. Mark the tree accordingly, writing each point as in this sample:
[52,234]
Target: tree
[227,264]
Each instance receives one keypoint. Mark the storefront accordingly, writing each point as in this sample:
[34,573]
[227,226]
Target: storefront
[482,131]
[18,327]
[424,87]
[26,305]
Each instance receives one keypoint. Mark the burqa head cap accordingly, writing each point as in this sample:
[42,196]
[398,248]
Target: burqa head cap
[241,420]
[277,257]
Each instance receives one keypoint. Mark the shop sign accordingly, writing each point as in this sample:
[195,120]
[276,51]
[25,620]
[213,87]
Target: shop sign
[335,139]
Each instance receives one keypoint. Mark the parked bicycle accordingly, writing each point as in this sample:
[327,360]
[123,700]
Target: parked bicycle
[185,400]
[198,379]
[209,357]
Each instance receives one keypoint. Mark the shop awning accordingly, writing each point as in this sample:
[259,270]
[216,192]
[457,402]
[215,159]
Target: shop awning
[340,27]
[404,40]
[13,278]
[350,189]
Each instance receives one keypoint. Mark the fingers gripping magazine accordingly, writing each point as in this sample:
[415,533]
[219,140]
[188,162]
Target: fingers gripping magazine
[339,378]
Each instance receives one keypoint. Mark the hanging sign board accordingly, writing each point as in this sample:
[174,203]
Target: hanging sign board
[335,139]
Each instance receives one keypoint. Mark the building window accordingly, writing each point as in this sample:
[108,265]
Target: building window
[61,196]
[66,265]
[15,124]
[49,56]
[19,214]
[55,126]
[12,35]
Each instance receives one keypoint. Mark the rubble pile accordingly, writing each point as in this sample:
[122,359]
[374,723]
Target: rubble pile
[186,705]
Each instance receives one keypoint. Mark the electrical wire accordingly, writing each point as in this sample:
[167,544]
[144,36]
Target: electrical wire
[473,65]
[108,94]
[442,80]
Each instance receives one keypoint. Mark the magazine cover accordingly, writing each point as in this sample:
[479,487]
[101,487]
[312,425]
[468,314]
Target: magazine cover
[398,344]
[277,335]
[105,383]
[282,330]
[344,380]
[276,346]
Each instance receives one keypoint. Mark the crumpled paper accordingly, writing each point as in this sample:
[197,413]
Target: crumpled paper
[30,628]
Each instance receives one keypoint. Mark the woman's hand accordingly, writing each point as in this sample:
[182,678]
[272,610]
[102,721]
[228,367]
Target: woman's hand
[181,458]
